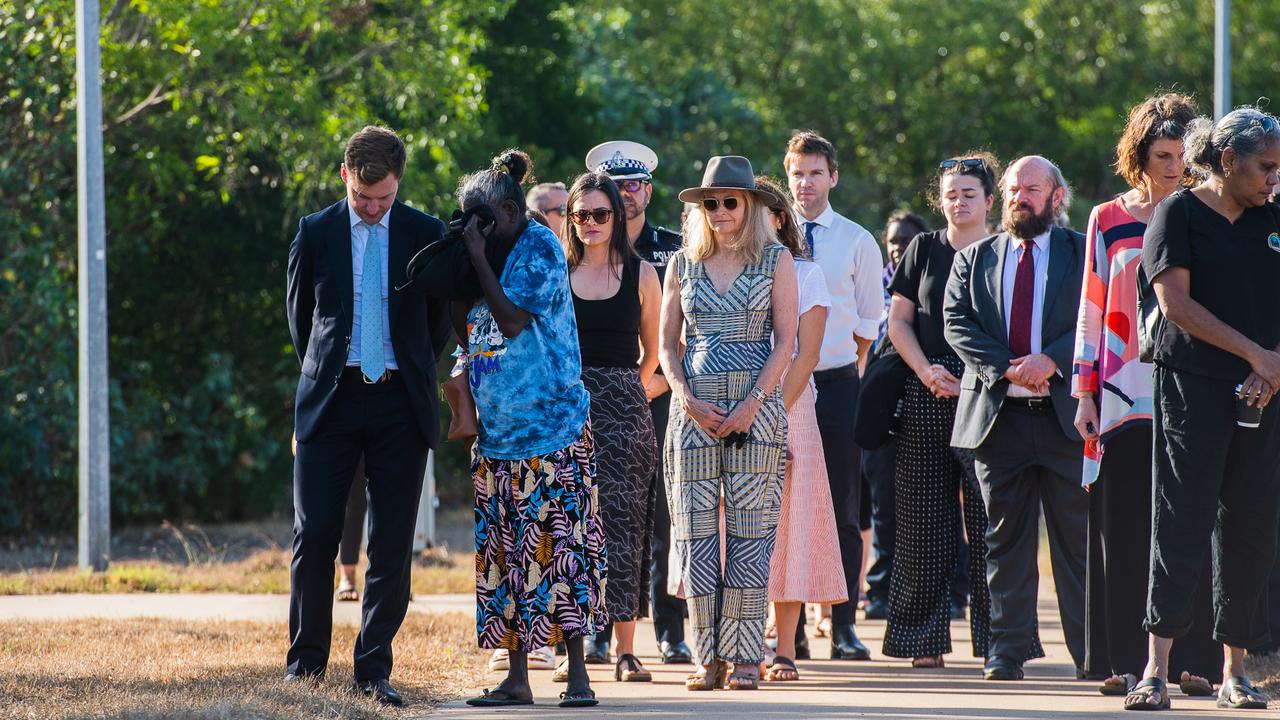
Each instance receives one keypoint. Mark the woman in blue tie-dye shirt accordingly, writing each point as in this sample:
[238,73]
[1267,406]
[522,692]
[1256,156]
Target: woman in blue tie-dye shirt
[540,555]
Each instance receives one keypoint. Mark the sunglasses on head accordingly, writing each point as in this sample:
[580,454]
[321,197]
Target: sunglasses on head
[632,186]
[599,216]
[711,204]
[967,163]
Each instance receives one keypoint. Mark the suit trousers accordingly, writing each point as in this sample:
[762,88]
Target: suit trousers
[668,610]
[376,421]
[1025,464]
[1216,487]
[836,401]
[353,524]
[877,473]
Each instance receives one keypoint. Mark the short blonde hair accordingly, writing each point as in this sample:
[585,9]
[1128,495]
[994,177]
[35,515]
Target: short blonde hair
[750,240]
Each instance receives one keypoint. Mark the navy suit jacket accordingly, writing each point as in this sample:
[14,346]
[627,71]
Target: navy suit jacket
[321,306]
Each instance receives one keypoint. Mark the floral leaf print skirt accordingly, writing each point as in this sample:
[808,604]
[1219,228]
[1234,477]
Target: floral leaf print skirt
[540,548]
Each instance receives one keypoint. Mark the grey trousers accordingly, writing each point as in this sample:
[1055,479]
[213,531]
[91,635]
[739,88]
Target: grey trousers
[1027,464]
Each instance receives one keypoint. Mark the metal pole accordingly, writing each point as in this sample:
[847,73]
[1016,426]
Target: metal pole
[95,462]
[1221,58]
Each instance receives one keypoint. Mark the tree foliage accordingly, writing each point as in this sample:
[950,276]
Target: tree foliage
[224,123]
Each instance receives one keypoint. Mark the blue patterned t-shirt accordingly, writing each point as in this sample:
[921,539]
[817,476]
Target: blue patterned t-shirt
[528,389]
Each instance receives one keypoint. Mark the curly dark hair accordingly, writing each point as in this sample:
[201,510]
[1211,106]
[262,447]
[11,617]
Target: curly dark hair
[1159,117]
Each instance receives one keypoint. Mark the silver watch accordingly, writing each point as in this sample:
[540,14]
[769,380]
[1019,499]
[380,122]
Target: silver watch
[758,394]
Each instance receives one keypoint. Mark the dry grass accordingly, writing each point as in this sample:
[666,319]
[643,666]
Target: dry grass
[264,571]
[149,669]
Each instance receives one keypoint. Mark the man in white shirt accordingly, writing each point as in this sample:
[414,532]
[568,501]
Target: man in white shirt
[1010,314]
[851,264]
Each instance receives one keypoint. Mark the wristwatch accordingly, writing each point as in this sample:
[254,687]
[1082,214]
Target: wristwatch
[758,394]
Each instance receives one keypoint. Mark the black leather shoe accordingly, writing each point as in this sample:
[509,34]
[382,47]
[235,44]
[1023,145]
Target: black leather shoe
[877,609]
[381,691]
[802,649]
[676,653]
[998,668]
[596,651]
[845,644]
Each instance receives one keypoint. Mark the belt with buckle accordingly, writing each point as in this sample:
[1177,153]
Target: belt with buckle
[837,373]
[351,372]
[1030,403]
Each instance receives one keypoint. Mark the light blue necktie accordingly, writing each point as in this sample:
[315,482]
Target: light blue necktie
[808,237]
[372,363]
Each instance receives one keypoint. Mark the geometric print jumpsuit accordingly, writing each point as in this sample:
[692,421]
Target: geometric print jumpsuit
[728,338]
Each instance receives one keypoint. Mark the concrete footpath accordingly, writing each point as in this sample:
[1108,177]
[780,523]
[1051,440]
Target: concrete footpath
[882,687]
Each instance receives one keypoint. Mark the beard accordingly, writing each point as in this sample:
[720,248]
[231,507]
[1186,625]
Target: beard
[1030,224]
[631,207]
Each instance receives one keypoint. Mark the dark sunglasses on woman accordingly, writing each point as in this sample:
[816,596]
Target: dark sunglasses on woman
[711,204]
[967,163]
[600,216]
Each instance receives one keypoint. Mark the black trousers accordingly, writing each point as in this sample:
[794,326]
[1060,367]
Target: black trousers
[837,399]
[668,610]
[1216,487]
[877,473]
[376,421]
[1119,558]
[1027,464]
[353,522]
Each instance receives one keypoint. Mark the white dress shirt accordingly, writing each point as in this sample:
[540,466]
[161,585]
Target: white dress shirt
[851,264]
[1040,260]
[359,238]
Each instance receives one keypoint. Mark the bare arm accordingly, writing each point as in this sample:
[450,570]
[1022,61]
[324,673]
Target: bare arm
[902,331]
[650,314]
[511,319]
[809,345]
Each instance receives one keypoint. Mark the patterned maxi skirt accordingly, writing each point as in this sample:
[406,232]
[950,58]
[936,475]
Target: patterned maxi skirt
[540,549]
[626,453]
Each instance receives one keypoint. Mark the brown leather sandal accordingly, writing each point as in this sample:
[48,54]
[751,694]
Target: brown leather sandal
[629,669]
[711,677]
[743,677]
[928,662]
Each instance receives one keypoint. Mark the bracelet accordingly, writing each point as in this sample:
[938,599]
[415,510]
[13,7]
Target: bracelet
[758,394]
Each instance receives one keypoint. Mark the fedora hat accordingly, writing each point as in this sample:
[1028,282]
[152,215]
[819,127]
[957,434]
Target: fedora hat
[725,172]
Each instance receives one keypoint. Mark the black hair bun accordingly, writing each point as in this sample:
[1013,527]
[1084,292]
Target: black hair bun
[515,163]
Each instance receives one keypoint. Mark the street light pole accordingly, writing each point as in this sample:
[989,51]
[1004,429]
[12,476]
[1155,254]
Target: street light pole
[95,461]
[1221,58]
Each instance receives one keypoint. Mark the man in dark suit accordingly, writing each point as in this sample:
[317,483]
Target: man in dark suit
[1010,314]
[368,348]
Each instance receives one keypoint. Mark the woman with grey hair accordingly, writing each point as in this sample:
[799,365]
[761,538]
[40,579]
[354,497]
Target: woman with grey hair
[540,553]
[1213,256]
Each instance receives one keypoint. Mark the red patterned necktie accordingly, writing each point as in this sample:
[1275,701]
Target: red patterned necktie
[1024,299]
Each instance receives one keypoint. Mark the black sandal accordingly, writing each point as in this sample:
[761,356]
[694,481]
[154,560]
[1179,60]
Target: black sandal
[497,698]
[782,665]
[1237,693]
[1150,694]
[629,669]
[578,698]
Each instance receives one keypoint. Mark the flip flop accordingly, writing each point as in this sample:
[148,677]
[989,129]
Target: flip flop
[1150,694]
[578,698]
[1129,680]
[496,698]
[782,664]
[1236,692]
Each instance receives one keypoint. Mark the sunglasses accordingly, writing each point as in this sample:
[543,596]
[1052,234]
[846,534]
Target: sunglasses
[632,186]
[555,209]
[711,204]
[967,163]
[599,216]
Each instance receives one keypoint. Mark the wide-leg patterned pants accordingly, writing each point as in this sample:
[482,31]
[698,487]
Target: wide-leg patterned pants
[727,603]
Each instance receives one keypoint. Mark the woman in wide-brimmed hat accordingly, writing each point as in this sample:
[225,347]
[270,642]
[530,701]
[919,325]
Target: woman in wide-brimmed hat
[735,297]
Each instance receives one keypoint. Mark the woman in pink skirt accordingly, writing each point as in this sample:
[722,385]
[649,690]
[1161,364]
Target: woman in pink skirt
[800,570]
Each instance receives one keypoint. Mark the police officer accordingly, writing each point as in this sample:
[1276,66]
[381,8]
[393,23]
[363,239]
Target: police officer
[631,166]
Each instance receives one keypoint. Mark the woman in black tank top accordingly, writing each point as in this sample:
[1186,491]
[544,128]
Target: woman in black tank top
[616,298]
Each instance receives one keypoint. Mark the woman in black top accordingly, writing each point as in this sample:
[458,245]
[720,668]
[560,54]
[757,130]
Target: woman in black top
[929,475]
[1213,255]
[616,300]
